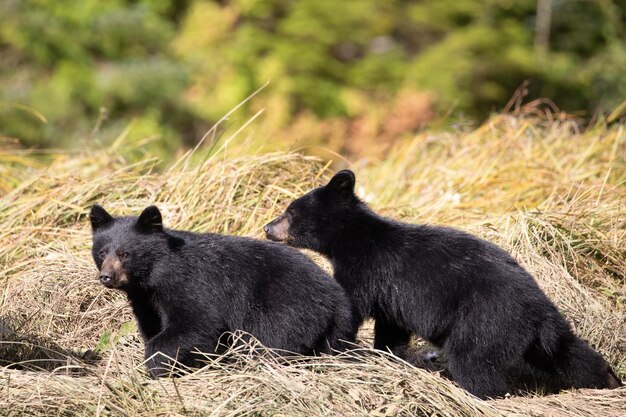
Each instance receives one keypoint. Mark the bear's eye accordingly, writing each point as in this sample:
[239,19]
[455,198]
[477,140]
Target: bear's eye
[123,255]
[102,254]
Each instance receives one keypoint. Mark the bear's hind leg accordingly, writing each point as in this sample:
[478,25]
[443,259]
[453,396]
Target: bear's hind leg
[339,336]
[582,367]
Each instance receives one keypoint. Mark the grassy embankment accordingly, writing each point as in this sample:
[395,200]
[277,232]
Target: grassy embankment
[555,197]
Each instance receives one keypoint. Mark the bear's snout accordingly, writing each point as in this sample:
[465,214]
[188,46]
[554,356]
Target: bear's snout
[277,229]
[112,273]
[106,279]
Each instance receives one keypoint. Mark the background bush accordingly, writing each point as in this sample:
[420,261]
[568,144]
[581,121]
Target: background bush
[174,67]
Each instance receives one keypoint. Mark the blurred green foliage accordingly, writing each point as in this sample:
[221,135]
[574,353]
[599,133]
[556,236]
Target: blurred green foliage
[174,67]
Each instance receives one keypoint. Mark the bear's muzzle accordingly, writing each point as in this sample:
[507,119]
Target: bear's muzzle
[112,273]
[278,229]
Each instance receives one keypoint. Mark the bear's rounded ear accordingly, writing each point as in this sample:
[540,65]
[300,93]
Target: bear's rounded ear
[150,219]
[99,217]
[342,183]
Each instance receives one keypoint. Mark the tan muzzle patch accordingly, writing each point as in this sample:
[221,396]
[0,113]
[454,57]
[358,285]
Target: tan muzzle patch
[112,273]
[278,229]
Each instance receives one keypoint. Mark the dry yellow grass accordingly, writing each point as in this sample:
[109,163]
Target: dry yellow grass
[555,197]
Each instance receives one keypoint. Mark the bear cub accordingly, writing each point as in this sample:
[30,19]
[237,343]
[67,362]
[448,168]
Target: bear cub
[187,289]
[497,328]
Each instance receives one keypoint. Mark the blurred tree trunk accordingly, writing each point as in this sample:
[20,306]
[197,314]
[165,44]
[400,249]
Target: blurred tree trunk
[542,28]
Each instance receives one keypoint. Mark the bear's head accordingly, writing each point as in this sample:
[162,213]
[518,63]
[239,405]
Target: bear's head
[311,221]
[124,248]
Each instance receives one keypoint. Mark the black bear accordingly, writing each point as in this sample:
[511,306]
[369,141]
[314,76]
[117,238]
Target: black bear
[187,289]
[497,328]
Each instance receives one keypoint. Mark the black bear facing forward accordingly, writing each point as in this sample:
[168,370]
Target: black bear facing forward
[187,289]
[498,330]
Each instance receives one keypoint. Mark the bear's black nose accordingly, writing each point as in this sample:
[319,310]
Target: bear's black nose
[105,277]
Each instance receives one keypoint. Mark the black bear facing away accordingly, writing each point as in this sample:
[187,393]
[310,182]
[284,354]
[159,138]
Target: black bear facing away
[187,289]
[498,330]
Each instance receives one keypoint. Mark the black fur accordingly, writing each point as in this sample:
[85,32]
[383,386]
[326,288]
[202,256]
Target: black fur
[466,295]
[187,289]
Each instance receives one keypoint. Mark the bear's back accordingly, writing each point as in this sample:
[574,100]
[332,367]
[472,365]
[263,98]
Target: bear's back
[245,265]
[466,267]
